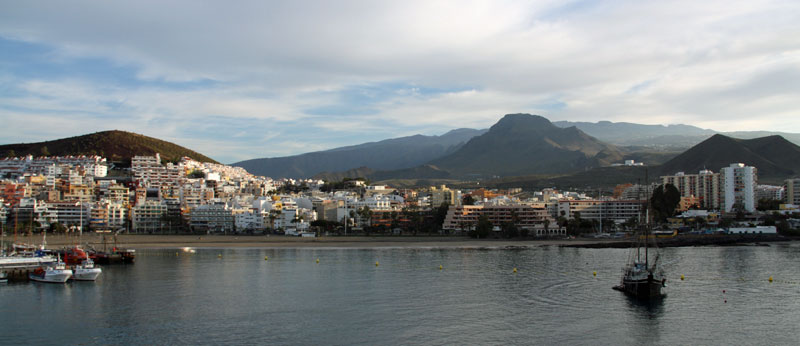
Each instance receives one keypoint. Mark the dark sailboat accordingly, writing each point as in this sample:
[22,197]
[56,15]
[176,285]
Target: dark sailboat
[643,278]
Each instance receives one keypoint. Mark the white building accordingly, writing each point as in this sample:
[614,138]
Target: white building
[738,187]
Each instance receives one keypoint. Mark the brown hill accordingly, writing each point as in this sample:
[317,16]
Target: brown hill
[114,145]
[524,144]
[773,156]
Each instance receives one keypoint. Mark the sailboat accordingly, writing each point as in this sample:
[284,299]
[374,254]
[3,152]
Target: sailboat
[642,277]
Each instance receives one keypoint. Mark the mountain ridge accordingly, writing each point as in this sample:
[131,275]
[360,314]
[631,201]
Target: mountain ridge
[115,145]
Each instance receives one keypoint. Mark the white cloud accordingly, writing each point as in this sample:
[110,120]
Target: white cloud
[712,63]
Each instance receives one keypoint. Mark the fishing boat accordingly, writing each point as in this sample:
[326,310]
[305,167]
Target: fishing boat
[74,255]
[86,271]
[57,273]
[643,278]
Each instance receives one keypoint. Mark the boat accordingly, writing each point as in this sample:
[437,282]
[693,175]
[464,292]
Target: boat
[57,273]
[642,277]
[116,255]
[86,271]
[74,255]
[3,277]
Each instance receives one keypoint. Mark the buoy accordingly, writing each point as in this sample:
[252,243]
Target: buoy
[376,263]
[176,254]
[682,278]
[317,260]
[440,267]
[220,255]
[726,301]
[515,270]
[770,279]
[723,291]
[266,258]
[594,273]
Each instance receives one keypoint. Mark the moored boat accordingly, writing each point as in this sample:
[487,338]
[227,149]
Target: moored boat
[57,273]
[86,271]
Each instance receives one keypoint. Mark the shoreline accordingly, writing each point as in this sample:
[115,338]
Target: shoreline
[148,241]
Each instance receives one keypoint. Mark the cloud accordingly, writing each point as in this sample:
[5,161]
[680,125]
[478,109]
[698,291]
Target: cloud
[261,75]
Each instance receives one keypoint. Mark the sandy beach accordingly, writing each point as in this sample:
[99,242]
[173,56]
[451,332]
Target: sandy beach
[142,241]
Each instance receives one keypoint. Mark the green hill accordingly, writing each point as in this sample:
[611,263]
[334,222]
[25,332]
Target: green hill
[114,145]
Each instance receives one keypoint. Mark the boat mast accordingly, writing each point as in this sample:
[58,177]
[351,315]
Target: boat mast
[647,219]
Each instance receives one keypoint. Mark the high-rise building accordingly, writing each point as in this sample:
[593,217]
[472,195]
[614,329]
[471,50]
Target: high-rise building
[705,186]
[791,192]
[739,183]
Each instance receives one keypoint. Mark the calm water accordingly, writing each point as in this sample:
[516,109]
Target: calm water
[476,299]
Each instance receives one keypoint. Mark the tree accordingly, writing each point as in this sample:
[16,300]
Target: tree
[468,200]
[365,214]
[44,151]
[11,153]
[484,227]
[664,201]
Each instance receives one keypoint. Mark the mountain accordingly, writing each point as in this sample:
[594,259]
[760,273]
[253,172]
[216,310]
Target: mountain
[523,144]
[661,136]
[390,154]
[631,134]
[774,156]
[114,145]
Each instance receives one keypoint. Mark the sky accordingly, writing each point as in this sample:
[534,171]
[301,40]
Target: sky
[237,80]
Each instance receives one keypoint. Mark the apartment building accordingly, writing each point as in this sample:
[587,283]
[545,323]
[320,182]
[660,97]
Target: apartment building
[705,186]
[465,217]
[738,186]
[791,191]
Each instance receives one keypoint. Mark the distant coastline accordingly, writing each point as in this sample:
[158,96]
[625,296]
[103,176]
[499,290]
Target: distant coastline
[146,241]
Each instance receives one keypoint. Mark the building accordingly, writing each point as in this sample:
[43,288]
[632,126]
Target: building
[769,192]
[738,187]
[605,209]
[791,193]
[537,219]
[443,194]
[211,218]
[148,217]
[705,186]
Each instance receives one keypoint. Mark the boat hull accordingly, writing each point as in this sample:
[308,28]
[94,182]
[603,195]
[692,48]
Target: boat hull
[52,276]
[645,289]
[86,274]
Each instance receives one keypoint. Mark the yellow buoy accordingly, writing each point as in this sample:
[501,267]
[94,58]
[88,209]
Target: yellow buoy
[594,273]
[220,255]
[440,267]
[515,270]
[681,277]
[266,258]
[317,260]
[376,263]
[770,279]
[176,254]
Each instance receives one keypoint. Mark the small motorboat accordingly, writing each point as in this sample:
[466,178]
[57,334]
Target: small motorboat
[57,273]
[86,271]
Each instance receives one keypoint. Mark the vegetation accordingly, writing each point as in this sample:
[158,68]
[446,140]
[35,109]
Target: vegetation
[664,201]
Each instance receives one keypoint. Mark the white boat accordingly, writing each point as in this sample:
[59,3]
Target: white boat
[57,273]
[3,277]
[86,271]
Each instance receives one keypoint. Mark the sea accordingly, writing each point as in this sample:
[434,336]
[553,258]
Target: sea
[480,295]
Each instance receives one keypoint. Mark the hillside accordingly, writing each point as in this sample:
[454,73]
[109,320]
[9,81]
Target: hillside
[390,154]
[523,144]
[114,145]
[774,156]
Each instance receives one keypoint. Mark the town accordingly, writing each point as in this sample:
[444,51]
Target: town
[76,194]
